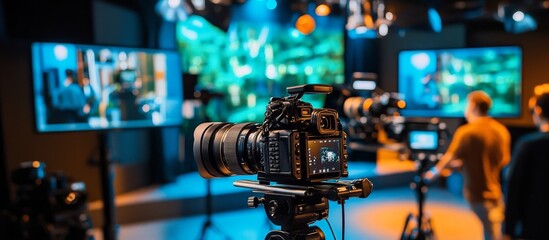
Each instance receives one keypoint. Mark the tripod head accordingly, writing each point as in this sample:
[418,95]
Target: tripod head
[295,207]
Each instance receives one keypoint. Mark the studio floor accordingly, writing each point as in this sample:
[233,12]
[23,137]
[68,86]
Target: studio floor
[380,216]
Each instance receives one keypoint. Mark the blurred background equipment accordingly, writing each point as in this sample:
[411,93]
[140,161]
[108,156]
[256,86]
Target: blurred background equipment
[48,206]
[368,19]
[426,142]
[370,115]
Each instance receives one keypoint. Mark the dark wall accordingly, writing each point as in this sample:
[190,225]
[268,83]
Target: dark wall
[4,189]
[60,20]
[116,25]
[361,56]
[4,186]
[2,22]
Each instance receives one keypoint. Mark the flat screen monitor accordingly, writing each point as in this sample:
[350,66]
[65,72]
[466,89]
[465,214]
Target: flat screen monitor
[84,87]
[435,83]
[423,140]
[258,56]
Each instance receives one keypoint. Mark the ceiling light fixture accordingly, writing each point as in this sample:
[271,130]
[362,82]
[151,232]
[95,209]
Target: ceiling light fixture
[173,10]
[368,19]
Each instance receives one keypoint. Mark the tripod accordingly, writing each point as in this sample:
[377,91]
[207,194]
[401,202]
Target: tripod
[294,207]
[209,212]
[422,229]
[294,214]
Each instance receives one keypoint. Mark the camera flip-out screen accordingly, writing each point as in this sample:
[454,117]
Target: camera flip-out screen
[323,156]
[423,140]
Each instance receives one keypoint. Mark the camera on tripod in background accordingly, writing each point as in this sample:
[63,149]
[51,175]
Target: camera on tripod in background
[369,114]
[426,140]
[48,205]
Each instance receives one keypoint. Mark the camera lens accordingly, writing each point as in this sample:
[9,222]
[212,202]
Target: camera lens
[226,149]
[356,107]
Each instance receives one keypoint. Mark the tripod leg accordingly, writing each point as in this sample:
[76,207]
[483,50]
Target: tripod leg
[220,232]
[208,224]
[429,233]
[406,231]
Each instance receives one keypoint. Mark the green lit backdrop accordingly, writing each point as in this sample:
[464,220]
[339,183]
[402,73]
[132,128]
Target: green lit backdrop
[260,55]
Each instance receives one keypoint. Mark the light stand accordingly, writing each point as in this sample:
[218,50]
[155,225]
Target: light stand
[209,212]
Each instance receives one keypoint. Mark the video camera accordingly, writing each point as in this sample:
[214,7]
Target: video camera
[368,116]
[426,140]
[297,147]
[296,144]
[48,206]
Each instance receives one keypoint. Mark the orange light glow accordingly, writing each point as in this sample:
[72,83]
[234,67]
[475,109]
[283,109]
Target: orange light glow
[35,164]
[70,198]
[323,10]
[532,102]
[369,21]
[401,104]
[305,24]
[367,104]
[541,89]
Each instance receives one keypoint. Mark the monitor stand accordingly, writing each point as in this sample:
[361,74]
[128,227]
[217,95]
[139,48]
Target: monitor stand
[110,227]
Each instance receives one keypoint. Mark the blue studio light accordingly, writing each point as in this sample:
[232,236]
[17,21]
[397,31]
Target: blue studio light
[271,4]
[520,22]
[362,32]
[434,20]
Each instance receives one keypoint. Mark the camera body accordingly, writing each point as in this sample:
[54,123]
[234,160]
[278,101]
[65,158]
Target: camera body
[426,140]
[48,205]
[301,143]
[296,143]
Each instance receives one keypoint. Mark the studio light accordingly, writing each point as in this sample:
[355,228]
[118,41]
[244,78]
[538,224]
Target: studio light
[368,19]
[271,4]
[305,24]
[173,10]
[200,5]
[323,9]
[434,20]
[516,18]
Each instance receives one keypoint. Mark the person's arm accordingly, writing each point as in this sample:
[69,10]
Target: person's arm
[506,149]
[451,156]
[518,174]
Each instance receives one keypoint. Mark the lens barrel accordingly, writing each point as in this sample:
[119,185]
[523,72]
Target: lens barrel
[225,149]
[356,107]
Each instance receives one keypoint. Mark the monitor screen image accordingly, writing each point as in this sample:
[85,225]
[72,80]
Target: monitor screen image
[423,140]
[82,87]
[258,56]
[435,83]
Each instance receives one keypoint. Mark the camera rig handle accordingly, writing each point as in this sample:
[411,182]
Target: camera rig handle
[299,90]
